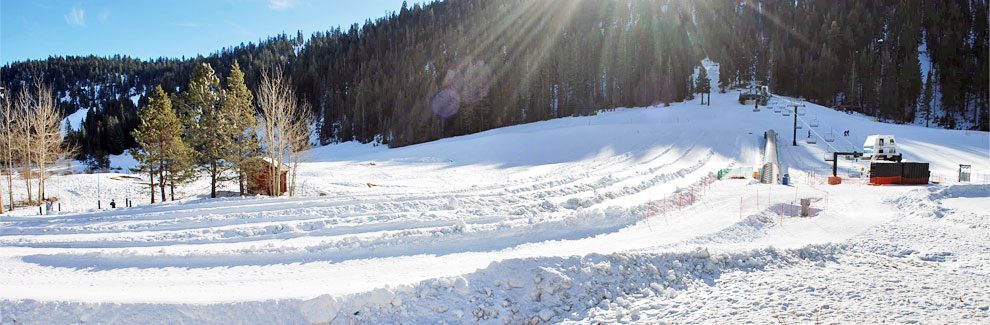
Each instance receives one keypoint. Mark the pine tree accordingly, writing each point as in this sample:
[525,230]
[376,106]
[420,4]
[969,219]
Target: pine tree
[926,98]
[726,71]
[180,168]
[159,136]
[704,84]
[210,129]
[374,81]
[238,106]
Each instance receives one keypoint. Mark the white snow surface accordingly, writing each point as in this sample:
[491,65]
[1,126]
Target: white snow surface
[123,162]
[608,218]
[75,119]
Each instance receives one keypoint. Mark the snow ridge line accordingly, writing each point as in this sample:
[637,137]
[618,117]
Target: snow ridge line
[926,203]
[659,179]
[313,225]
[534,290]
[553,289]
[441,240]
[183,223]
[684,197]
[549,181]
[597,172]
[438,240]
[605,180]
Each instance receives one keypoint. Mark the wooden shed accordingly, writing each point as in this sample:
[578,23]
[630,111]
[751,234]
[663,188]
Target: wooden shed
[259,173]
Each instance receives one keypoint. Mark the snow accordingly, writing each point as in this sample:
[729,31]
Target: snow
[607,218]
[76,119]
[122,162]
[973,205]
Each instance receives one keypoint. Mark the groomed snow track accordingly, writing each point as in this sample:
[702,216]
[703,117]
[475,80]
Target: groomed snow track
[549,221]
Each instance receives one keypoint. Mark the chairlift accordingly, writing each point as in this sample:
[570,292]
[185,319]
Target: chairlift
[801,112]
[776,109]
[830,137]
[829,156]
[813,123]
[787,112]
[799,126]
[812,140]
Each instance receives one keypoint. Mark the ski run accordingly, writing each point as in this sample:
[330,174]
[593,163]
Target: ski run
[612,218]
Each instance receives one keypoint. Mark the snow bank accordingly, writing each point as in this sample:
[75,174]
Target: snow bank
[533,290]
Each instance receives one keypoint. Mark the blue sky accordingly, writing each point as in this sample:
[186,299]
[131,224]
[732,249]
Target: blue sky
[37,29]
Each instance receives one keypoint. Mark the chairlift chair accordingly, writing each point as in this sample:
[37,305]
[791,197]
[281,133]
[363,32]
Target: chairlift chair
[812,140]
[829,137]
[787,112]
[813,123]
[829,156]
[801,112]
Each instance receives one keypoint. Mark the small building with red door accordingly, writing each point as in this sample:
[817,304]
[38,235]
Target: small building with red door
[259,177]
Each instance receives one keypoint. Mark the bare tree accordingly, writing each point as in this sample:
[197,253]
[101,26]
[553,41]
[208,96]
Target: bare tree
[284,125]
[49,145]
[23,137]
[5,115]
[32,138]
[297,134]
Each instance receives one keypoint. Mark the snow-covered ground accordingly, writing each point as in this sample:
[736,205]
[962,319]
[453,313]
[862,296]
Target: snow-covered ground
[75,120]
[607,218]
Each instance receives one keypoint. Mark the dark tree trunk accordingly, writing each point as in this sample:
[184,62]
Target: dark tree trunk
[213,179]
[151,176]
[161,181]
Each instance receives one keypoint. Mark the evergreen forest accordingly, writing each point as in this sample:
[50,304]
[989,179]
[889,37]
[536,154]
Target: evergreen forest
[456,67]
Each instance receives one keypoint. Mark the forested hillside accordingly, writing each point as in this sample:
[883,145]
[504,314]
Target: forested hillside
[463,66]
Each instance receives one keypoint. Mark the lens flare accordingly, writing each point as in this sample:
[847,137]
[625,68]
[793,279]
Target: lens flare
[445,104]
[466,82]
[470,79]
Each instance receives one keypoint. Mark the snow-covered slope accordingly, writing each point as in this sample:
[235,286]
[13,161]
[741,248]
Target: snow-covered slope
[75,120]
[582,219]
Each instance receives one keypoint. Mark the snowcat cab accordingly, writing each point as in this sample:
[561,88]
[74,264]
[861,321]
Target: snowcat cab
[881,147]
